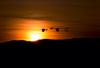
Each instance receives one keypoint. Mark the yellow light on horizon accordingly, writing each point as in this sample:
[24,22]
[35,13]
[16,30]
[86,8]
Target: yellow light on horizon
[31,30]
[34,36]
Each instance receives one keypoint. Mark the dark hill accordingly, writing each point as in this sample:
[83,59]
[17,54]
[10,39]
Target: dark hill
[46,43]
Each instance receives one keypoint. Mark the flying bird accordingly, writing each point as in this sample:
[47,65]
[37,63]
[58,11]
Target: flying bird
[43,30]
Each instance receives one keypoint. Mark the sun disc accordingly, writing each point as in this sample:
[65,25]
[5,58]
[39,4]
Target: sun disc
[34,37]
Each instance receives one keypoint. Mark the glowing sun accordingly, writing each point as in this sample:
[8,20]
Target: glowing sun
[34,36]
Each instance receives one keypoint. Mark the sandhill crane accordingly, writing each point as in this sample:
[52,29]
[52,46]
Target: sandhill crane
[51,28]
[66,29]
[43,30]
[57,29]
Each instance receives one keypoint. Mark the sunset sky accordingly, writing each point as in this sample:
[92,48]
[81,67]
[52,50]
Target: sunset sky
[22,19]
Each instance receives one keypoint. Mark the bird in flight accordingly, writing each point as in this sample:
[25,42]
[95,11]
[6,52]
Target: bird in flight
[56,29]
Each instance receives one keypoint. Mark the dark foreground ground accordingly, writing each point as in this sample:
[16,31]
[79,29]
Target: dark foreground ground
[71,43]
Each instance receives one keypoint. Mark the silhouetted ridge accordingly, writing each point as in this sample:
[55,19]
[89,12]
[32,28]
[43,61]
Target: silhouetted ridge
[47,43]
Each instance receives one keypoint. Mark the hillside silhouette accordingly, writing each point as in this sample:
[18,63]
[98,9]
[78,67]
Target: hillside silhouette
[46,43]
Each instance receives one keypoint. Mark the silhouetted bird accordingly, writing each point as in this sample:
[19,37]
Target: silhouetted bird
[43,30]
[51,28]
[57,29]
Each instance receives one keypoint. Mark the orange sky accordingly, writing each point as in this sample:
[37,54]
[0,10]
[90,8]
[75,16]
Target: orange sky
[25,29]
[19,18]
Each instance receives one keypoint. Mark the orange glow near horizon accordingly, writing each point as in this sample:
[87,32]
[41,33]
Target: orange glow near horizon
[31,30]
[34,36]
